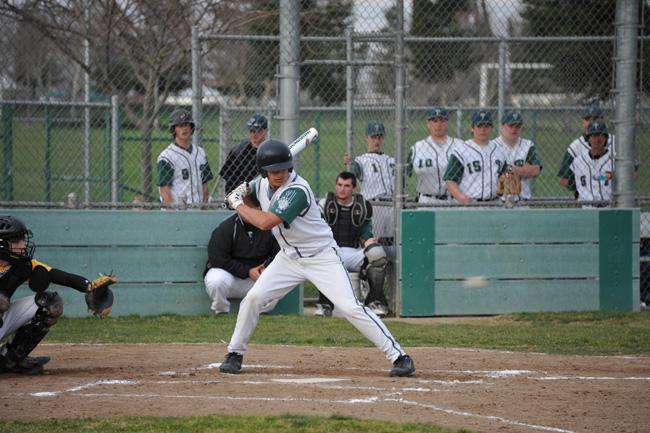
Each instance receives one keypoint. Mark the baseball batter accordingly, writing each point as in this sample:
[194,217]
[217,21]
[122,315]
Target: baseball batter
[428,158]
[183,169]
[308,252]
[521,153]
[475,166]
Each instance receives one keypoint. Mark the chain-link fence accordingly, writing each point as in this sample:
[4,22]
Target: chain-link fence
[87,90]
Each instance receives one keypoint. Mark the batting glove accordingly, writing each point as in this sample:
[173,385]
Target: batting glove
[244,189]
[235,199]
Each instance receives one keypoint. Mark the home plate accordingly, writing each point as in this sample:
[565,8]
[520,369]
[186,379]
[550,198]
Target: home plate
[309,380]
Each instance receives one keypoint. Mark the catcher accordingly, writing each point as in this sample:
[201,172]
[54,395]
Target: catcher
[25,321]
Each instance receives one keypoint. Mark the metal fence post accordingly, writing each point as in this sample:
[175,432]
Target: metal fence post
[503,77]
[197,88]
[48,153]
[7,125]
[115,143]
[626,48]
[399,143]
[349,93]
[289,69]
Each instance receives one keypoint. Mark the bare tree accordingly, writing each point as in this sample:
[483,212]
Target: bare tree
[138,46]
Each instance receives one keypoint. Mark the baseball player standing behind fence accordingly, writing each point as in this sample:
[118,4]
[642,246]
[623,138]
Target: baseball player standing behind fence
[240,162]
[376,172]
[580,145]
[428,158]
[521,154]
[287,206]
[475,165]
[183,169]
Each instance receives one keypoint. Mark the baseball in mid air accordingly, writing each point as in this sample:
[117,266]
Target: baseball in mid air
[475,282]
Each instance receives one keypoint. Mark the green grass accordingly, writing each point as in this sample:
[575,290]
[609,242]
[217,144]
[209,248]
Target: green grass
[214,424]
[595,333]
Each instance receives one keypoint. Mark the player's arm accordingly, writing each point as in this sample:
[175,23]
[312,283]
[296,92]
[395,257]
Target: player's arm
[453,176]
[165,180]
[263,220]
[454,190]
[166,194]
[532,166]
[206,176]
[565,173]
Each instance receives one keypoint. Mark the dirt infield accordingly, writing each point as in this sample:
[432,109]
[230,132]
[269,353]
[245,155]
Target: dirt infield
[488,391]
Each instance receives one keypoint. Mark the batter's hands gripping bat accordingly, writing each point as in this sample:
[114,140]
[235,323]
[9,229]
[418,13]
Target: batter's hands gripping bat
[296,146]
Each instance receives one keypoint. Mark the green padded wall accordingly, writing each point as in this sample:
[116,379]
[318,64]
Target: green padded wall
[158,256]
[533,259]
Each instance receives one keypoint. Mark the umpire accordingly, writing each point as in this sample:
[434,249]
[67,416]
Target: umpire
[238,252]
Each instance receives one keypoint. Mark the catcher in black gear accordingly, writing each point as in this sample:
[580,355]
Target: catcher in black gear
[25,321]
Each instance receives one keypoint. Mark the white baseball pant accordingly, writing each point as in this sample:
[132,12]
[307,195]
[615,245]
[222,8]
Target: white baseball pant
[221,285]
[328,274]
[19,314]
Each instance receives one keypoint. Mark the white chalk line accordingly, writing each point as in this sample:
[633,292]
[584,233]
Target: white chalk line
[486,417]
[350,401]
[82,387]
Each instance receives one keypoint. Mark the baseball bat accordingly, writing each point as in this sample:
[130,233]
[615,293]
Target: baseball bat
[298,145]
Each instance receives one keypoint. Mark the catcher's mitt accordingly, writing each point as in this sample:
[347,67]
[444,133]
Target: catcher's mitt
[509,184]
[99,297]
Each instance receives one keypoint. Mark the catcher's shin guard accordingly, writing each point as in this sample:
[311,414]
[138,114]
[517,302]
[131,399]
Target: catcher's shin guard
[376,277]
[50,308]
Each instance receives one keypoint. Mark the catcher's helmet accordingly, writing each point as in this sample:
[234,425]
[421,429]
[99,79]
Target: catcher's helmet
[273,155]
[13,229]
[180,117]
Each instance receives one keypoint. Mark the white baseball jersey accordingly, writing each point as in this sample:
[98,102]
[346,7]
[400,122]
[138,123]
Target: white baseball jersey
[308,252]
[522,152]
[476,168]
[580,144]
[376,172]
[592,182]
[189,172]
[428,159]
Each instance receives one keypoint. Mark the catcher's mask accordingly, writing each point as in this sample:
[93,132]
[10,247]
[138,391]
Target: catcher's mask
[273,155]
[12,229]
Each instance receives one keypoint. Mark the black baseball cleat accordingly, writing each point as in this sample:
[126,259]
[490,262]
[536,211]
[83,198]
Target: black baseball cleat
[28,366]
[403,366]
[36,360]
[232,363]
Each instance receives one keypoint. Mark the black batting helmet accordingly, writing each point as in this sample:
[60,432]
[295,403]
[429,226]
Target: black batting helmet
[13,229]
[273,155]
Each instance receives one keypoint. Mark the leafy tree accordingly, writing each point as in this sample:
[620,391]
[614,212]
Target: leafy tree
[579,67]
